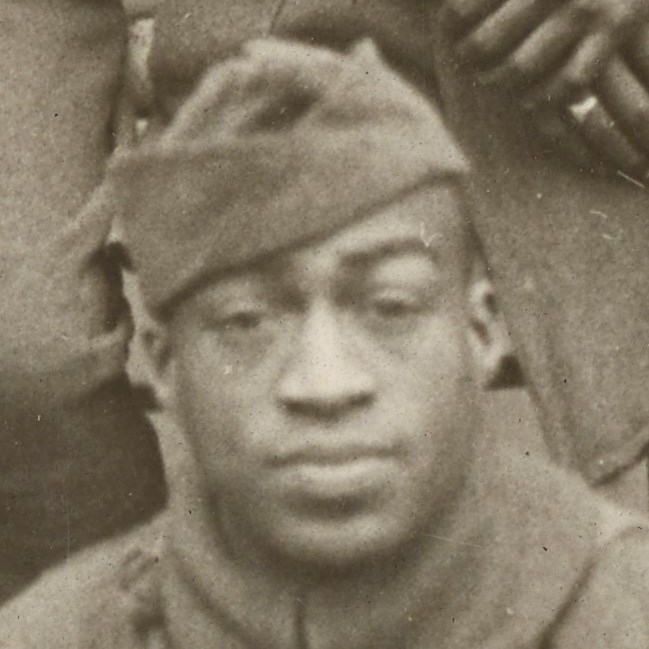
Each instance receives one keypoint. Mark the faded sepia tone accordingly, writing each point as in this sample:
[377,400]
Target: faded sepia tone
[553,186]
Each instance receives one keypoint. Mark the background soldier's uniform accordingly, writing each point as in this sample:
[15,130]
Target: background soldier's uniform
[568,251]
[78,459]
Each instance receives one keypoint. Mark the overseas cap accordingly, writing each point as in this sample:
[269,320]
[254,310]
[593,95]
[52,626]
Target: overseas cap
[279,145]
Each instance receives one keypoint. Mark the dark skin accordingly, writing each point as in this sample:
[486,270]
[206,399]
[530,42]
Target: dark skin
[554,53]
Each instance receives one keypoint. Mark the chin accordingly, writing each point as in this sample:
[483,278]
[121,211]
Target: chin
[335,545]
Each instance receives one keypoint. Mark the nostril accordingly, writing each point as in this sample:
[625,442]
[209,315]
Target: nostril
[361,399]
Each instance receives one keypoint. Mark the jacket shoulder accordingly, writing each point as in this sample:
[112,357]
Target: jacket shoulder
[57,611]
[566,555]
[608,607]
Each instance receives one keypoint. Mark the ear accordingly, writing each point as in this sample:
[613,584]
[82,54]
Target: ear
[156,341]
[488,335]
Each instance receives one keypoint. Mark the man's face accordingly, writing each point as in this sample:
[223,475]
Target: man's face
[328,394]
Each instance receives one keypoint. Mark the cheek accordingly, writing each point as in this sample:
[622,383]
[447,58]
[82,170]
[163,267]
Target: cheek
[208,418]
[221,403]
[429,364]
[428,388]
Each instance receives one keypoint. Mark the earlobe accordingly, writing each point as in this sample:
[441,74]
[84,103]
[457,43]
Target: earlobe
[488,334]
[160,364]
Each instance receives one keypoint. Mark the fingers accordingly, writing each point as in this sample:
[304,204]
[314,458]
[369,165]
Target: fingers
[556,50]
[552,50]
[637,54]
[464,14]
[500,32]
[602,134]
[590,141]
[563,136]
[627,100]
[584,65]
[578,73]
[563,50]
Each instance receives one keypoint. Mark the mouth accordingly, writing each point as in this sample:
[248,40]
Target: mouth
[323,474]
[331,456]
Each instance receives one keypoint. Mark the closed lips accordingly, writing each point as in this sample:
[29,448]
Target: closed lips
[324,456]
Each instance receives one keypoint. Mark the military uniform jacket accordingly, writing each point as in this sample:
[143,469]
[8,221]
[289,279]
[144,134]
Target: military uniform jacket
[535,562]
[79,459]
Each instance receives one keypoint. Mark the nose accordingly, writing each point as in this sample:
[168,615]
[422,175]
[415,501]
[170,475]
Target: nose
[324,375]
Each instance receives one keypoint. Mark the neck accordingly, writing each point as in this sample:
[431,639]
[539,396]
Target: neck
[370,606]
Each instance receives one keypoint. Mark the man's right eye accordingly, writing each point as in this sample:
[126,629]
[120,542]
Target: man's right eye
[242,320]
[394,306]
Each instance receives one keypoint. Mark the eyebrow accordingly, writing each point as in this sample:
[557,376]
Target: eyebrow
[271,271]
[391,248]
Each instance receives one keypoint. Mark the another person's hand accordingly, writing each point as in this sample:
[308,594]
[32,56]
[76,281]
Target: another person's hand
[549,49]
[608,126]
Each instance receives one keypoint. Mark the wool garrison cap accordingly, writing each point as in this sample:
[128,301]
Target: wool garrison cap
[277,146]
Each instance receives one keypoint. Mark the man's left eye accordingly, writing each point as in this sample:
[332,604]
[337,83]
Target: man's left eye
[394,306]
[243,320]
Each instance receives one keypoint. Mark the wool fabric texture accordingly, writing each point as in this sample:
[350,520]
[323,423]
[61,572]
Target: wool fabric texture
[190,35]
[277,146]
